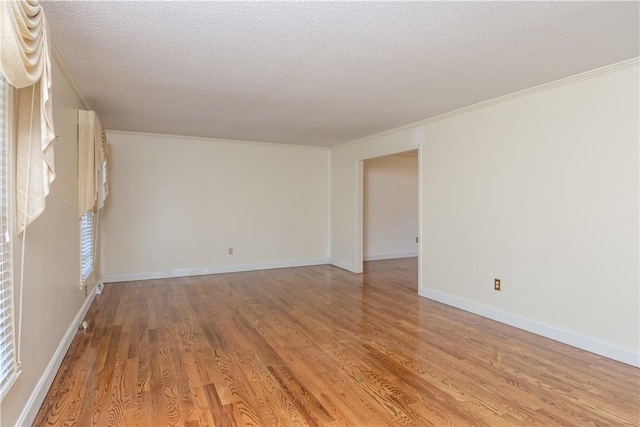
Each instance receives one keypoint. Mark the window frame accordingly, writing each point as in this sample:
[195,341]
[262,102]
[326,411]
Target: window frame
[9,362]
[87,245]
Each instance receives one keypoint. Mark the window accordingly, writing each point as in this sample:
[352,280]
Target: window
[8,360]
[86,244]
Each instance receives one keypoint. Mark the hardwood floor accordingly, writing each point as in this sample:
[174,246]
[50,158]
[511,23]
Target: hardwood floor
[321,346]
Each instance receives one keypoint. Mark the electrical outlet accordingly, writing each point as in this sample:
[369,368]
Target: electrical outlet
[86,290]
[496,284]
[230,251]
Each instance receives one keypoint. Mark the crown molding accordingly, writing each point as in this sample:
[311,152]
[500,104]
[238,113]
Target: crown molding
[218,140]
[607,69]
[67,74]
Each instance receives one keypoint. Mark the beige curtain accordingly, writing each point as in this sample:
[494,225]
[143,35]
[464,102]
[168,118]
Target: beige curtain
[103,173]
[92,160]
[26,63]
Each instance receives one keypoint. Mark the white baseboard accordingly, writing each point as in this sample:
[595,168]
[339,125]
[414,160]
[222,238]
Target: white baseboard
[184,272]
[390,255]
[36,399]
[557,333]
[343,265]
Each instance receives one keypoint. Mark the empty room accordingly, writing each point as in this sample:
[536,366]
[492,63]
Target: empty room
[319,213]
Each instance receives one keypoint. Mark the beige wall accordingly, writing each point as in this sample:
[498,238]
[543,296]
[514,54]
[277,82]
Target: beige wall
[177,204]
[52,295]
[540,190]
[390,207]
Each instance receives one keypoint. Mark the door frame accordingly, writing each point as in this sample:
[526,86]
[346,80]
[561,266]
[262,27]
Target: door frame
[359,243]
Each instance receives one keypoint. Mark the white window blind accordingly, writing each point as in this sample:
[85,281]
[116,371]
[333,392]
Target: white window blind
[8,360]
[86,244]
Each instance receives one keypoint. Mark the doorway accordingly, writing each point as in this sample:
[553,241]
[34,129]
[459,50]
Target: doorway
[389,214]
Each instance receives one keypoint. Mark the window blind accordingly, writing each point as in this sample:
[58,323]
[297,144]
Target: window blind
[8,360]
[86,244]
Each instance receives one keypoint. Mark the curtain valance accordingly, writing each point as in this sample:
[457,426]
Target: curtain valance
[26,63]
[92,162]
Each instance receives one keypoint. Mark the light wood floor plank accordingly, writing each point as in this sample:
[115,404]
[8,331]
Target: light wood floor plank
[318,346]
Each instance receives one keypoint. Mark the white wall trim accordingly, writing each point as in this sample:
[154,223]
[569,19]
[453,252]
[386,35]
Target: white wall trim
[184,272]
[359,219]
[557,333]
[391,255]
[607,69]
[223,141]
[39,393]
[343,265]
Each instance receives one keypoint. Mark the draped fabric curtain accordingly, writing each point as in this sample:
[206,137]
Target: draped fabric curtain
[103,174]
[92,162]
[26,64]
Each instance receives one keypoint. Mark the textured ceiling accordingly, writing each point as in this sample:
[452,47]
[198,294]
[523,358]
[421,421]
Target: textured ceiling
[322,73]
